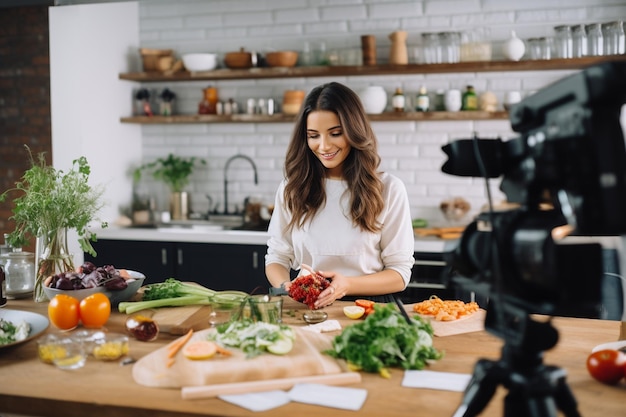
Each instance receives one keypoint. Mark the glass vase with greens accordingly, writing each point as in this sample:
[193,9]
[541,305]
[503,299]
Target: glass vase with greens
[50,202]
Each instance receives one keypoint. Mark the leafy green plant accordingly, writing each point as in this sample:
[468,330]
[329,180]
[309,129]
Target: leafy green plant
[50,199]
[174,171]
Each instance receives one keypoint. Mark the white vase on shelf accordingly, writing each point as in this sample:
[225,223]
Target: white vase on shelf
[374,99]
[514,48]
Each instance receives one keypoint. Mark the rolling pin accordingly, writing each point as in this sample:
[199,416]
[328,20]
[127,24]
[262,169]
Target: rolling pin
[208,391]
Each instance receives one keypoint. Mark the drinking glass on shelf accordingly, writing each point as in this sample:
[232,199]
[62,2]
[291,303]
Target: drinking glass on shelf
[540,48]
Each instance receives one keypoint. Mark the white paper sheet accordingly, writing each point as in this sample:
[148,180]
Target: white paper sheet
[448,381]
[329,396]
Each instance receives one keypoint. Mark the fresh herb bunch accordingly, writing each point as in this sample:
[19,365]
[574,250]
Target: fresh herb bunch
[174,171]
[307,288]
[51,199]
[386,340]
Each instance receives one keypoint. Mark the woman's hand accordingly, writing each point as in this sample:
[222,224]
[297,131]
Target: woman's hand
[337,289]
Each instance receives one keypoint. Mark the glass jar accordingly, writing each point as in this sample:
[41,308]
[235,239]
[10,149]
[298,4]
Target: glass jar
[431,48]
[613,33]
[579,41]
[563,41]
[20,273]
[595,40]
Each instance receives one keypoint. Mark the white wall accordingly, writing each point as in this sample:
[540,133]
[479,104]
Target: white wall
[410,150]
[89,46]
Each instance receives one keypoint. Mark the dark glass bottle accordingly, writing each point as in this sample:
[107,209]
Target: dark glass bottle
[470,100]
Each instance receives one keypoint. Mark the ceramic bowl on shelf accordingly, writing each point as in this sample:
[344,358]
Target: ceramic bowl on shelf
[238,60]
[281,58]
[200,62]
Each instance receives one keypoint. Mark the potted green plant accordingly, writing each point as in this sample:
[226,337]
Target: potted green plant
[175,172]
[49,203]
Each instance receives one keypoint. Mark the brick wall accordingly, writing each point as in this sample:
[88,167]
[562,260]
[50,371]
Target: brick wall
[410,150]
[24,95]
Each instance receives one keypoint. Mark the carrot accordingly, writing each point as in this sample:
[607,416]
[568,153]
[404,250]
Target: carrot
[223,351]
[178,344]
[170,362]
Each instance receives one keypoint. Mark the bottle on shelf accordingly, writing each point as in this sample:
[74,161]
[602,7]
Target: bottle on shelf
[398,100]
[470,100]
[423,101]
[209,103]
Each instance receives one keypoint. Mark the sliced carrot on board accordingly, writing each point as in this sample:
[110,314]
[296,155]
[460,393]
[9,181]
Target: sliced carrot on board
[178,344]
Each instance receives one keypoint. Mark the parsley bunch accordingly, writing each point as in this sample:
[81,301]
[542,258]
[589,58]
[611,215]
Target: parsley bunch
[50,199]
[386,340]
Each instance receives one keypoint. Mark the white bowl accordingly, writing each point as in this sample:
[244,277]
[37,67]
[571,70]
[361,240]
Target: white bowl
[200,62]
[114,296]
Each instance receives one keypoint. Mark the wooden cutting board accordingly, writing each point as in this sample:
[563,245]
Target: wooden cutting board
[305,359]
[179,320]
[473,323]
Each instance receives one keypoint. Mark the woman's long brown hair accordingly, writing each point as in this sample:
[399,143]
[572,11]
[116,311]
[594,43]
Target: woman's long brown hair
[305,174]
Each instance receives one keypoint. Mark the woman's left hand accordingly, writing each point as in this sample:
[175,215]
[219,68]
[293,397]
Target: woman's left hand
[337,289]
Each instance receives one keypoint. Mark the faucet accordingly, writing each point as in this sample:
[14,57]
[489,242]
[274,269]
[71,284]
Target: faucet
[256,178]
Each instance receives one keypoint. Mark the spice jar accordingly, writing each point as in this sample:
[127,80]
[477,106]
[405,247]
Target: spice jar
[19,273]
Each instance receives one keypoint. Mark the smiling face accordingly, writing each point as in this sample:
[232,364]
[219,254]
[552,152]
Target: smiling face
[326,139]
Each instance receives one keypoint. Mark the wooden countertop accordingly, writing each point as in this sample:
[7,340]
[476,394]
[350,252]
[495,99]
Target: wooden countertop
[30,387]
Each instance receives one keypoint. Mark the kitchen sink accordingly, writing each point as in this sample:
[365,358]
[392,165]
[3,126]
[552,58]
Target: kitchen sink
[216,222]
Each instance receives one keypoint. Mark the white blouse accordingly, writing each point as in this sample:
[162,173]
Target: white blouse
[331,242]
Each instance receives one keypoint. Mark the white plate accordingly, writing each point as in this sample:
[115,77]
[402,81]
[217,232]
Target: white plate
[610,345]
[38,323]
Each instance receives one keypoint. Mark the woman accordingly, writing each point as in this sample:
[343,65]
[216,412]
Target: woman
[334,210]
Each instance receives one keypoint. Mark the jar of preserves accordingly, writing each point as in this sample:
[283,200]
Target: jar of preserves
[19,271]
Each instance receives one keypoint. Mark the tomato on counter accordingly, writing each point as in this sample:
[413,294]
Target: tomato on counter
[607,366]
[63,311]
[95,310]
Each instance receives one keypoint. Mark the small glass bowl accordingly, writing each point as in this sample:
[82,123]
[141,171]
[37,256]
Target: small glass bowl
[64,352]
[315,316]
[112,347]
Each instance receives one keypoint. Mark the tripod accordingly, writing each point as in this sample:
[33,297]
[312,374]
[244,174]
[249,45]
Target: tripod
[535,390]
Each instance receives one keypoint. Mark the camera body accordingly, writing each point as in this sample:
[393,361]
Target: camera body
[567,174]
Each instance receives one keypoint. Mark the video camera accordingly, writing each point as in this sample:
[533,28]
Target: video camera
[567,173]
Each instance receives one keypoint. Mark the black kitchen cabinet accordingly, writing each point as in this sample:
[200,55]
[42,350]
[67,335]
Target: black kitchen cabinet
[153,259]
[223,266]
[214,265]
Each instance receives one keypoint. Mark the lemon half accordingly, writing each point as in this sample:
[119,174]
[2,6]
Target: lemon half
[354,312]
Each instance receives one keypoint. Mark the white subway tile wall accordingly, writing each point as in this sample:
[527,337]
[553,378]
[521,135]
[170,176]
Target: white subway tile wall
[410,150]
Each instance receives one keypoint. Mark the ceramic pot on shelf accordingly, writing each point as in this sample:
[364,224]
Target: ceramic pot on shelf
[514,48]
[374,99]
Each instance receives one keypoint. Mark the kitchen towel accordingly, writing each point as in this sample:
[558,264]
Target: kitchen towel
[448,381]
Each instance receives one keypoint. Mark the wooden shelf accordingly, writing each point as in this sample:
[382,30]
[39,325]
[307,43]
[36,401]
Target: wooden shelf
[283,118]
[360,70]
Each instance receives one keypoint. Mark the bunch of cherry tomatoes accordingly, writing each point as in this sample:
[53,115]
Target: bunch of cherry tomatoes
[67,312]
[607,365]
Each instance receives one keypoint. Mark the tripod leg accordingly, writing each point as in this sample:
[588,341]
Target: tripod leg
[564,396]
[480,389]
